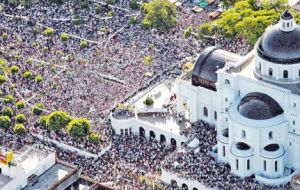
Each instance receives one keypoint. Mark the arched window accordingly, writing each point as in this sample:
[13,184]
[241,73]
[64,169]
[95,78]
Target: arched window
[270,72]
[283,24]
[243,134]
[265,165]
[276,167]
[215,115]
[248,164]
[288,24]
[259,66]
[227,82]
[237,164]
[205,111]
[299,72]
[270,135]
[224,153]
[285,74]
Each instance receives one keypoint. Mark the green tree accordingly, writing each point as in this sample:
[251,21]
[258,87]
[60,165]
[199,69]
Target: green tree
[20,118]
[49,31]
[27,75]
[187,33]
[14,69]
[134,4]
[98,9]
[149,101]
[58,120]
[8,112]
[8,99]
[247,19]
[2,79]
[94,137]
[37,109]
[20,104]
[4,122]
[19,129]
[83,44]
[42,121]
[64,37]
[38,79]
[159,14]
[79,127]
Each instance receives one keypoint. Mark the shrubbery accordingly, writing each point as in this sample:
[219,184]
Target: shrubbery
[159,14]
[43,121]
[37,109]
[2,79]
[98,9]
[38,79]
[4,122]
[27,75]
[49,31]
[79,127]
[20,104]
[20,118]
[14,69]
[94,137]
[19,129]
[8,112]
[8,99]
[134,4]
[84,44]
[148,59]
[187,33]
[132,20]
[58,120]
[64,37]
[149,101]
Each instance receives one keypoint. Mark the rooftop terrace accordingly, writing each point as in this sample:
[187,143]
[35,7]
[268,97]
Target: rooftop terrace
[51,176]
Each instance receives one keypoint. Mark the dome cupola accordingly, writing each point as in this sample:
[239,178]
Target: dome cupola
[280,44]
[286,23]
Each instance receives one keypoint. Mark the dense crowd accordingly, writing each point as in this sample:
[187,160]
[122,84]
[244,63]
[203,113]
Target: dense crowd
[89,82]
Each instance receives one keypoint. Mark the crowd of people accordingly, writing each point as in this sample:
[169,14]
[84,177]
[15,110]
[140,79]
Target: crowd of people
[90,81]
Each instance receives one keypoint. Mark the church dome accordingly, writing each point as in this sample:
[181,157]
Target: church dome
[281,43]
[210,60]
[259,106]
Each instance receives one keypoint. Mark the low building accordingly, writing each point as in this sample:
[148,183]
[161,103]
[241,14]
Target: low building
[18,169]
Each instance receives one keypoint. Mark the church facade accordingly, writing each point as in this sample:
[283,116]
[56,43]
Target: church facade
[253,101]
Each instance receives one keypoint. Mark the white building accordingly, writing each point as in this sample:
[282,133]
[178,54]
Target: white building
[252,100]
[19,169]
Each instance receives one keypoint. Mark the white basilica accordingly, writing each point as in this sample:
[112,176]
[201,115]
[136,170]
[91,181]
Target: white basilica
[253,101]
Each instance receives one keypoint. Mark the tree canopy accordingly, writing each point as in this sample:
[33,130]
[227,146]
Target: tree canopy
[4,122]
[248,19]
[79,127]
[19,129]
[159,14]
[58,120]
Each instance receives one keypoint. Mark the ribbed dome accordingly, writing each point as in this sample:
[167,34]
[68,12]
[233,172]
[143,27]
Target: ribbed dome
[259,106]
[279,46]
